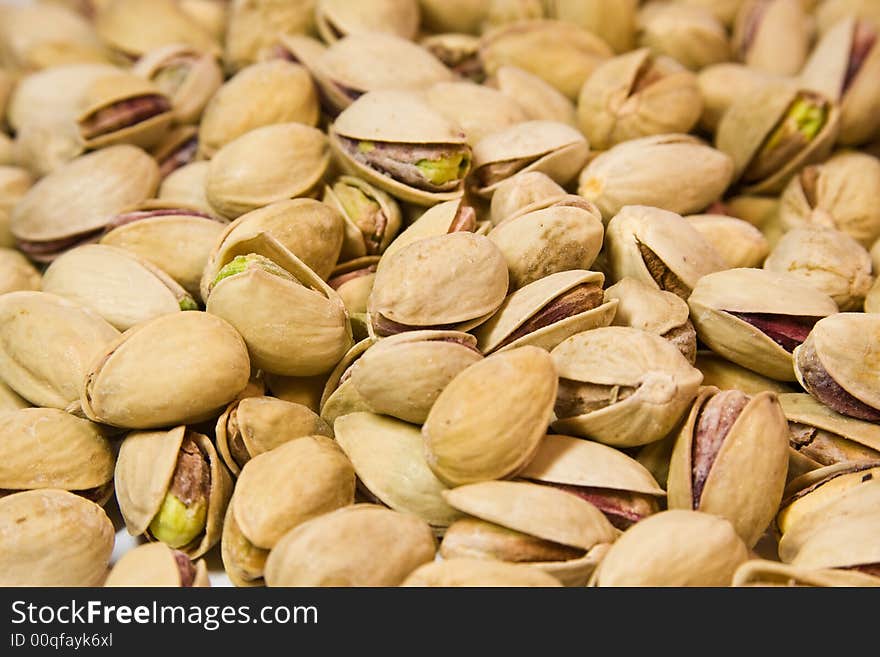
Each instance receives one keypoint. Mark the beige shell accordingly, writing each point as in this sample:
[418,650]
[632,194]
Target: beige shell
[777,40]
[725,375]
[254,25]
[186,186]
[804,409]
[355,244]
[262,94]
[642,306]
[361,545]
[477,572]
[453,15]
[353,282]
[872,301]
[462,275]
[437,220]
[518,192]
[10,401]
[339,396]
[17,273]
[260,424]
[53,538]
[243,561]
[745,291]
[47,344]
[539,101]
[829,12]
[760,572]
[14,183]
[615,22]
[153,564]
[478,109]
[182,367]
[691,35]
[488,422]
[403,375]
[281,489]
[738,242]
[528,301]
[674,548]
[337,18]
[268,164]
[723,84]
[755,447]
[144,469]
[678,173]
[389,459]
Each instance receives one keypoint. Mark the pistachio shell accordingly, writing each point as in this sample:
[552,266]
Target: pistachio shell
[689,34]
[471,436]
[388,457]
[476,572]
[47,346]
[772,36]
[437,220]
[759,572]
[361,545]
[722,84]
[872,301]
[53,538]
[615,22]
[243,561]
[674,548]
[725,375]
[130,385]
[479,110]
[10,401]
[154,564]
[337,18]
[186,186]
[339,395]
[518,192]
[17,273]
[644,307]
[453,15]
[254,25]
[363,235]
[539,100]
[738,242]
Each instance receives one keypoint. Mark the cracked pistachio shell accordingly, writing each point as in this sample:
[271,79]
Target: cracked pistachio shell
[255,425]
[548,237]
[772,35]
[53,538]
[350,195]
[267,93]
[539,100]
[254,25]
[339,396]
[725,375]
[188,77]
[144,470]
[458,52]
[389,459]
[48,448]
[737,241]
[274,309]
[562,54]
[243,561]
[47,344]
[182,367]
[678,173]
[755,448]
[177,240]
[615,22]
[839,193]
[722,84]
[661,383]
[271,163]
[556,149]
[360,545]
[118,285]
[10,401]
[479,110]
[752,119]
[847,346]
[691,35]
[478,572]
[403,375]
[458,279]
[718,295]
[135,27]
[154,564]
[636,95]
[353,282]
[829,72]
[527,303]
[659,248]
[404,119]
[17,273]
[674,548]
[76,202]
[828,260]
[523,190]
[872,301]
[759,572]
[186,186]
[488,422]
[337,18]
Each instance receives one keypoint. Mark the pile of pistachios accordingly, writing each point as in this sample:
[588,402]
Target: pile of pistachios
[440,292]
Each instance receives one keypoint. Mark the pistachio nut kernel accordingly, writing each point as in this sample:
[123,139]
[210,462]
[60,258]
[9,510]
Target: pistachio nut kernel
[373,217]
[432,168]
[839,362]
[182,515]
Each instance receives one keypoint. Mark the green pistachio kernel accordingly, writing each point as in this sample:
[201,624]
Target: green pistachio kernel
[805,117]
[366,146]
[445,169]
[240,264]
[355,202]
[188,303]
[176,524]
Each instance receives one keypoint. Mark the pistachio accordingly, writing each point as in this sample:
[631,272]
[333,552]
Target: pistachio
[186,186]
[338,395]
[689,34]
[772,35]
[372,217]
[475,572]
[721,85]
[254,25]
[615,22]
[16,273]
[539,100]
[759,572]
[738,242]
[155,564]
[521,191]
[726,375]
[176,149]
[337,18]
[479,110]
[458,52]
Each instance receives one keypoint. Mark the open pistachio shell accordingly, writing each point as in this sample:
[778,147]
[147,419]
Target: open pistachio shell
[249,427]
[17,273]
[691,35]
[547,311]
[458,52]
[739,321]
[337,18]
[608,374]
[389,459]
[728,438]
[674,548]
[372,217]
[339,396]
[48,448]
[403,375]
[360,545]
[48,344]
[471,436]
[275,91]
[75,203]
[726,375]
[523,190]
[478,572]
[182,367]
[738,242]
[760,572]
[254,25]
[243,561]
[772,35]
[53,538]
[480,110]
[156,564]
[146,478]
[271,163]
[539,100]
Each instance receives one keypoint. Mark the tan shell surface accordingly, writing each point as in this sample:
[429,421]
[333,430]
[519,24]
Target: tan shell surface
[253,27]
[299,480]
[186,185]
[152,564]
[690,34]
[389,459]
[362,545]
[17,273]
[738,242]
[243,561]
[479,110]
[53,538]
[488,422]
[521,191]
[760,572]
[335,17]
[10,401]
[872,301]
[48,448]
[779,40]
[539,100]
[433,222]
[47,344]
[803,408]
[176,368]
[526,140]
[478,572]
[645,307]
